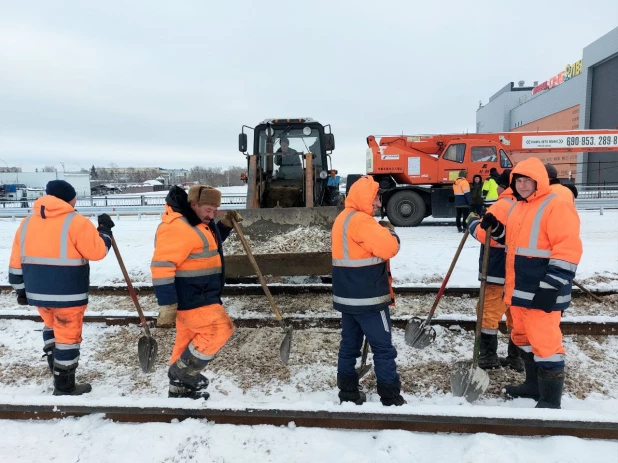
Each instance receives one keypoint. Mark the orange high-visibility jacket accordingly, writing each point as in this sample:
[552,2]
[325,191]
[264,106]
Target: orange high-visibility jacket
[50,254]
[563,192]
[361,248]
[542,240]
[187,266]
[497,254]
[461,189]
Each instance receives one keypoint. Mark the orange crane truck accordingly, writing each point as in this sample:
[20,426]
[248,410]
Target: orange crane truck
[417,172]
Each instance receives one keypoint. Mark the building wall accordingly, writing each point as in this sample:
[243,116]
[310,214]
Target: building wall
[81,182]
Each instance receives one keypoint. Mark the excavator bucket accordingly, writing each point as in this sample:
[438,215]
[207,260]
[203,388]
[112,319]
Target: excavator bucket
[262,225]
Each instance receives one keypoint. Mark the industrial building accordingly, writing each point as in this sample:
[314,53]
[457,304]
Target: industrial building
[582,95]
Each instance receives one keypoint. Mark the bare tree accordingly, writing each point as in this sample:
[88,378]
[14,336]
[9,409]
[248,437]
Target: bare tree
[49,169]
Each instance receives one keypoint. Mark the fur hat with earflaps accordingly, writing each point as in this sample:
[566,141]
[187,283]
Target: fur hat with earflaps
[203,194]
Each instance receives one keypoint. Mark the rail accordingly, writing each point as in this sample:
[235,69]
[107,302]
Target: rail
[417,422]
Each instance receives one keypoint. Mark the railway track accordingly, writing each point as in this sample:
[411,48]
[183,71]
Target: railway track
[326,419]
[569,327]
[251,287]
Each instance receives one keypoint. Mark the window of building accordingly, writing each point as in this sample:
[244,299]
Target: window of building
[455,152]
[484,154]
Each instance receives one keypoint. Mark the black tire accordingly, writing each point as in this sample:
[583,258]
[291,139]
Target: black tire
[406,209]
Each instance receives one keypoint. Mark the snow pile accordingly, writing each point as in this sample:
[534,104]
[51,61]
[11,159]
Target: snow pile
[303,239]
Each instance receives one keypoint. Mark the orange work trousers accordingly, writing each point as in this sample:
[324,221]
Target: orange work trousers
[67,323]
[537,329]
[208,328]
[493,308]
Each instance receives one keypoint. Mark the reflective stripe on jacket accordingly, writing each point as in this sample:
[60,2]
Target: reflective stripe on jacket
[461,188]
[360,249]
[542,240]
[50,254]
[187,266]
[497,252]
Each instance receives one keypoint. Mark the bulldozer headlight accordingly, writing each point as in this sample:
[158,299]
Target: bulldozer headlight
[323,174]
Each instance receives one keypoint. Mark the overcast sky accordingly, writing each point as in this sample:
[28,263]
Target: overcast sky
[170,83]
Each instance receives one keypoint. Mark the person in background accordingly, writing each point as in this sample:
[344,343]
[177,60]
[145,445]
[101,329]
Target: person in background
[476,193]
[362,292]
[490,187]
[332,197]
[557,187]
[49,269]
[463,198]
[543,249]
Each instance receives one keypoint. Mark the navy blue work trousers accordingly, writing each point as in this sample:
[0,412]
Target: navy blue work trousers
[376,327]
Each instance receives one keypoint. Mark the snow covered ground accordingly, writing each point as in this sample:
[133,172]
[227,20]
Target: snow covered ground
[425,255]
[247,373]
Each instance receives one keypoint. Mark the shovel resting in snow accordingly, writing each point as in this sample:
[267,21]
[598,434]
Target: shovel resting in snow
[471,381]
[419,333]
[147,345]
[286,344]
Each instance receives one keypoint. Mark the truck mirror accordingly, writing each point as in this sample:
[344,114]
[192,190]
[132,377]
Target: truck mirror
[329,142]
[242,142]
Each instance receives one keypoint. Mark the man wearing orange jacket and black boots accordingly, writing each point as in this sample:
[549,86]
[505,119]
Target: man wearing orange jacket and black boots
[361,248]
[541,234]
[494,307]
[49,269]
[188,275]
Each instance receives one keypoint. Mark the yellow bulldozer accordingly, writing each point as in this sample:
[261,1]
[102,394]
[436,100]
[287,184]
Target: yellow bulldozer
[289,186]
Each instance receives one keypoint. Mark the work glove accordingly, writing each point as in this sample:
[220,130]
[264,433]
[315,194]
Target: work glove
[471,217]
[21,298]
[489,221]
[545,299]
[167,315]
[105,223]
[229,215]
[497,228]
[386,224]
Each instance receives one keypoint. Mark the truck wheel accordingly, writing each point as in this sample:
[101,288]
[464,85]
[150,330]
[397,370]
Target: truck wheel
[405,209]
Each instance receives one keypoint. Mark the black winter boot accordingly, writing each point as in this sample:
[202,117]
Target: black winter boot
[488,355]
[389,394]
[49,354]
[551,383]
[530,388]
[185,378]
[64,382]
[513,358]
[349,391]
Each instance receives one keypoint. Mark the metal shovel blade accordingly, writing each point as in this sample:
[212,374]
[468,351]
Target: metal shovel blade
[469,381]
[286,346]
[147,349]
[419,335]
[363,370]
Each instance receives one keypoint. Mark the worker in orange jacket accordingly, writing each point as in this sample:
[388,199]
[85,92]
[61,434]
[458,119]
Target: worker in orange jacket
[556,187]
[188,275]
[49,269]
[494,307]
[463,199]
[361,248]
[541,234]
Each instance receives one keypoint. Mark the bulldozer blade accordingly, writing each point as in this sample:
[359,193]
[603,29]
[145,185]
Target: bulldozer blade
[469,381]
[418,334]
[286,346]
[283,264]
[147,349]
[263,224]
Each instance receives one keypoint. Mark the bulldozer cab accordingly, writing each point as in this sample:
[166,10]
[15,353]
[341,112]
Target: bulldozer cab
[289,165]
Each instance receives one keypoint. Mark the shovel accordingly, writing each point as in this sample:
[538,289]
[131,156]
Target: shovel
[286,344]
[147,345]
[364,368]
[587,291]
[471,382]
[418,333]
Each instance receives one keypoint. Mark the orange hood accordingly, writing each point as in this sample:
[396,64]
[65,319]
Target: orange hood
[535,169]
[53,206]
[362,194]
